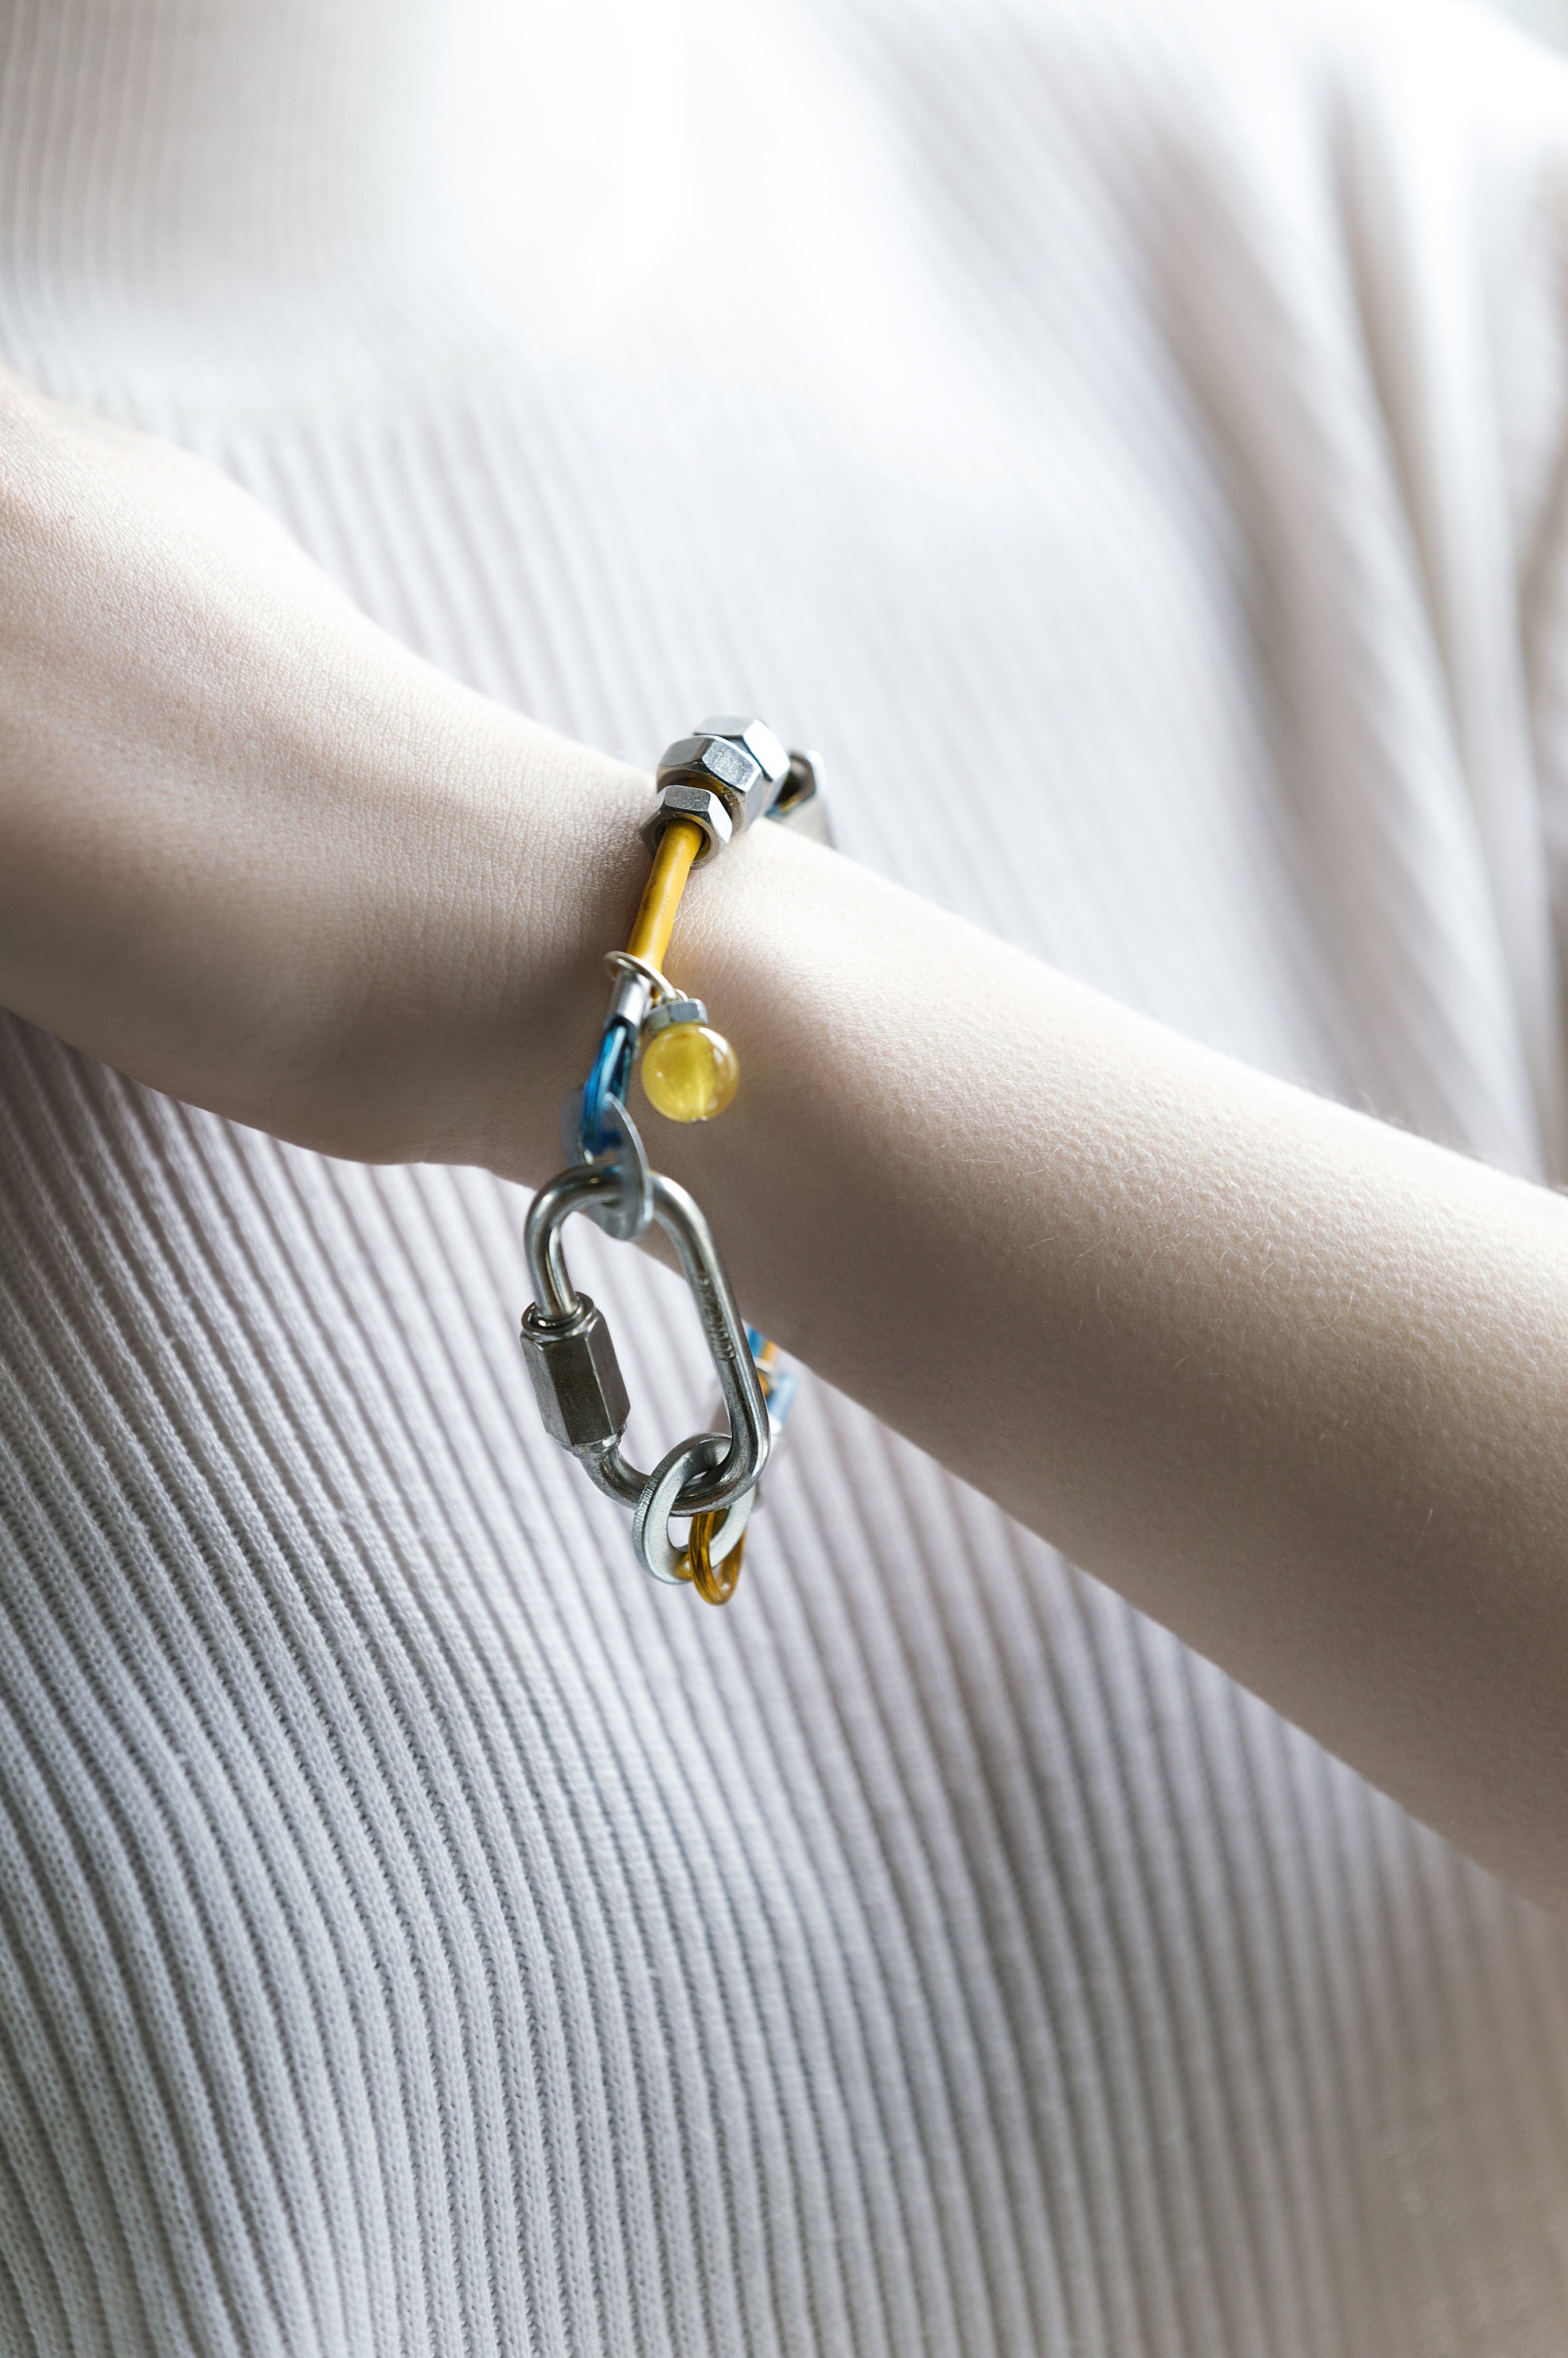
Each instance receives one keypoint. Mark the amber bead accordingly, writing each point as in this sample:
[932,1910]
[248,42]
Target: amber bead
[689,1072]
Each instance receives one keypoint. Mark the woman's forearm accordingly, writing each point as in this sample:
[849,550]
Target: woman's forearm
[1295,1382]
[254,851]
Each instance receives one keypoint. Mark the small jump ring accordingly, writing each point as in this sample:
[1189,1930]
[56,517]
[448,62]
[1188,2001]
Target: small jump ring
[624,962]
[715,1583]
[651,1518]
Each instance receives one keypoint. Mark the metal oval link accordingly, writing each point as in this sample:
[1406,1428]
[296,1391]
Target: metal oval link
[725,1329]
[656,1551]
[555,1299]
[555,1296]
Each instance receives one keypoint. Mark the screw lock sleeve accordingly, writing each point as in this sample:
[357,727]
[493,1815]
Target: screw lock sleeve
[577,1378]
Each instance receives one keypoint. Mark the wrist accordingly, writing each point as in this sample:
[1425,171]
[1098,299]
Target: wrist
[526,850]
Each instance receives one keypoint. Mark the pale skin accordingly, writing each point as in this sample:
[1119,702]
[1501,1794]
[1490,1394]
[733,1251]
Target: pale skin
[1294,1382]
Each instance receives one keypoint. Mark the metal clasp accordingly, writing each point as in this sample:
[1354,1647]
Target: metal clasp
[557,1308]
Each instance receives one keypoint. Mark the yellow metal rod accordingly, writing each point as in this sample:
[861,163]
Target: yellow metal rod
[678,847]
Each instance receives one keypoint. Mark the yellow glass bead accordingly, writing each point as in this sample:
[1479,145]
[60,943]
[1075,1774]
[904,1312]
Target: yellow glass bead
[689,1072]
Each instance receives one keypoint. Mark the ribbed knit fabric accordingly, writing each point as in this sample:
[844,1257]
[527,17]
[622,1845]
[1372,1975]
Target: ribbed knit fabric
[1142,429]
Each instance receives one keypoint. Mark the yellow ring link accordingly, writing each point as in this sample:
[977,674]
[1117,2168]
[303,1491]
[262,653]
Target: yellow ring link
[714,1582]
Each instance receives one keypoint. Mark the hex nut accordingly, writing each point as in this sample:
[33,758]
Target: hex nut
[801,805]
[679,760]
[672,1010]
[577,1378]
[685,800]
[758,739]
[740,757]
[802,783]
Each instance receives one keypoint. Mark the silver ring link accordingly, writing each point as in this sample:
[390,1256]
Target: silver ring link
[656,1551]
[744,1454]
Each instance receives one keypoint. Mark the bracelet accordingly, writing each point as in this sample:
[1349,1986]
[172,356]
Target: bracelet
[712,786]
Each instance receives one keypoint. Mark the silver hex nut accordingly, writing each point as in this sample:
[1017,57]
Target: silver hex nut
[739,757]
[672,1010]
[577,1378]
[755,736]
[801,805]
[686,800]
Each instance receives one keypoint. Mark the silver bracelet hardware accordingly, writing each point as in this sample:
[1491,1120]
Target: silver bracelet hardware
[712,786]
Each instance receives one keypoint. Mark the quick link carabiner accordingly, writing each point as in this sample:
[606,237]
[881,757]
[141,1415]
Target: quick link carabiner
[577,1378]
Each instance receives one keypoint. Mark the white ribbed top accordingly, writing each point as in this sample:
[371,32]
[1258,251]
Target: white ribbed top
[420,1938]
